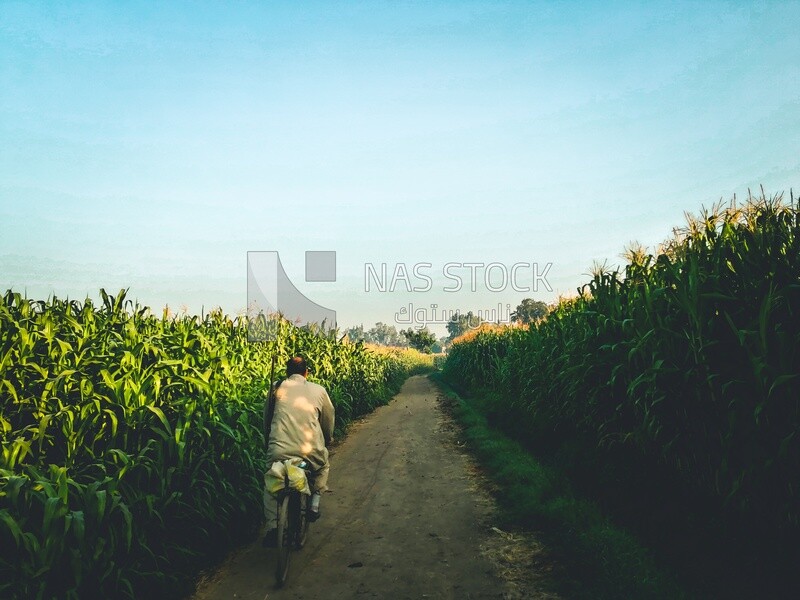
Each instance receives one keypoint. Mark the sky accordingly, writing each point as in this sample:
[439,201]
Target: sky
[150,146]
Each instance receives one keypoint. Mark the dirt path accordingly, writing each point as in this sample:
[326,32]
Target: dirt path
[404,519]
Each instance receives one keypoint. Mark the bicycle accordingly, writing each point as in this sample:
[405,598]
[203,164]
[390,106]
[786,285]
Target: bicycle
[293,507]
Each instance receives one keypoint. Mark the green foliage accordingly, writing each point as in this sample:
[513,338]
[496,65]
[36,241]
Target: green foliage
[459,324]
[690,357]
[381,333]
[132,449]
[420,339]
[599,559]
[529,311]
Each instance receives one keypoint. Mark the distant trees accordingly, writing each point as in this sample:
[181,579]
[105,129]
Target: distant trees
[529,311]
[421,339]
[381,333]
[461,323]
[387,335]
[441,344]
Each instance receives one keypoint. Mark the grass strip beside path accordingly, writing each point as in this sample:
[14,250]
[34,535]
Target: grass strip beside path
[599,560]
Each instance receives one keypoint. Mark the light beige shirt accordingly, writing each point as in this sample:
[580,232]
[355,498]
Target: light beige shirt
[303,422]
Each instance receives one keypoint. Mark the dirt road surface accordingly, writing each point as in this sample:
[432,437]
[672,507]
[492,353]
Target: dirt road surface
[406,517]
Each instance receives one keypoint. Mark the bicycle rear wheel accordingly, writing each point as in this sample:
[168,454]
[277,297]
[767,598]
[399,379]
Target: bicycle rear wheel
[302,526]
[285,541]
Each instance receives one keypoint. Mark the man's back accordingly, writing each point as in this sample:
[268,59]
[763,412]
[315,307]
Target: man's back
[302,423]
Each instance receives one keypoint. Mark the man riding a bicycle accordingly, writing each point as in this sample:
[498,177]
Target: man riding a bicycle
[298,423]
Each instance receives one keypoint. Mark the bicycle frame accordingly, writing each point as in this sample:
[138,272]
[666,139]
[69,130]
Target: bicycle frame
[292,527]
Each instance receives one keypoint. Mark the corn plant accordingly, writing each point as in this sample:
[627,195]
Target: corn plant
[691,355]
[132,448]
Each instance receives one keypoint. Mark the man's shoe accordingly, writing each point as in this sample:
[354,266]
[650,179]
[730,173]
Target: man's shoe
[270,539]
[313,516]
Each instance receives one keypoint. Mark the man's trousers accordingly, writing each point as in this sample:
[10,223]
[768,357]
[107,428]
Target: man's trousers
[317,481]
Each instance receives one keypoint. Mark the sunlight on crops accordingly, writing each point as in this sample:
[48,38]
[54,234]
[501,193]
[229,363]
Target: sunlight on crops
[690,355]
[132,449]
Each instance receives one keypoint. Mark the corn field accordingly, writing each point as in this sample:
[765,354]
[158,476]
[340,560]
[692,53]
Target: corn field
[132,452]
[690,355]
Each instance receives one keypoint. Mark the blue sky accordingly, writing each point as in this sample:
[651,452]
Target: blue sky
[151,145]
